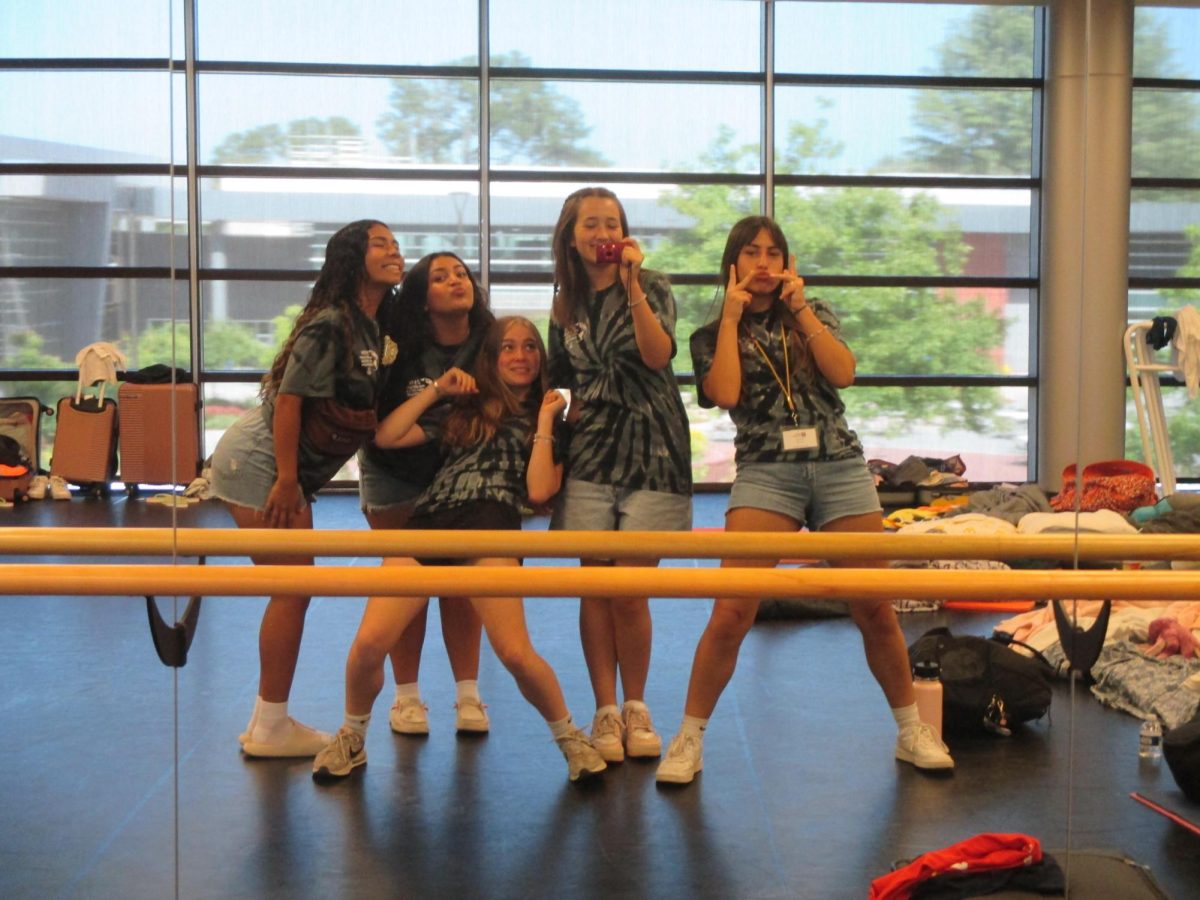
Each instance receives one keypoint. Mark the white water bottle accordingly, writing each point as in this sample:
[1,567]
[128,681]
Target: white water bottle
[927,685]
[1150,739]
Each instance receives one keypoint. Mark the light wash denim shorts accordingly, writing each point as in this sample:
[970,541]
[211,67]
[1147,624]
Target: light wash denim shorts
[812,493]
[243,463]
[379,489]
[586,506]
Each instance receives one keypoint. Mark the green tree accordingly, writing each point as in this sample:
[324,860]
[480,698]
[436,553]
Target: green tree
[532,123]
[227,345]
[989,132]
[307,138]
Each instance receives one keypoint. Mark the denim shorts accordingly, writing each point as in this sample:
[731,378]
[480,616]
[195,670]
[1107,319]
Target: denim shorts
[812,493]
[243,463]
[379,489]
[586,506]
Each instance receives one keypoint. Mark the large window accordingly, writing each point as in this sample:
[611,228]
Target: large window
[896,143]
[1164,238]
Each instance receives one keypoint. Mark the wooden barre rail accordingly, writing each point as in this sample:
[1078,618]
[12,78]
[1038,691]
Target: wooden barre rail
[189,542]
[339,581]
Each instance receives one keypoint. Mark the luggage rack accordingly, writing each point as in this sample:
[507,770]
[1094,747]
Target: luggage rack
[1144,374]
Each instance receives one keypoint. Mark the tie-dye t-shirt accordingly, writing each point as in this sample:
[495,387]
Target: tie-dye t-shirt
[632,429]
[762,412]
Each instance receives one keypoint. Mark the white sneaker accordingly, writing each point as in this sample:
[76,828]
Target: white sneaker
[343,754]
[608,736]
[685,757]
[295,739]
[472,717]
[38,487]
[59,489]
[641,740]
[920,745]
[409,716]
[582,759]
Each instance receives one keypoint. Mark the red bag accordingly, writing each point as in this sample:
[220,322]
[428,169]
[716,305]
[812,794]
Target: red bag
[335,429]
[1121,485]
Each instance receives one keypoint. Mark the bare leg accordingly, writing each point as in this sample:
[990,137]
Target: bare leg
[883,641]
[384,620]
[596,632]
[633,632]
[282,625]
[504,620]
[406,654]
[462,632]
[717,653]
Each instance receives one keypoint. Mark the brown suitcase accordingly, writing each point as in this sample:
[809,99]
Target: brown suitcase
[21,423]
[85,446]
[146,435]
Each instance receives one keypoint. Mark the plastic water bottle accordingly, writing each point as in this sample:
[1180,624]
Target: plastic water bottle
[1150,739]
[927,685]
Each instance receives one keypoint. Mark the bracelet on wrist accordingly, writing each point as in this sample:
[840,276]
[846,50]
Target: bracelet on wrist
[543,438]
[824,329]
[437,391]
[638,303]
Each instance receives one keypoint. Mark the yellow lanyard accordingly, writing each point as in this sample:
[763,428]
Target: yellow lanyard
[785,386]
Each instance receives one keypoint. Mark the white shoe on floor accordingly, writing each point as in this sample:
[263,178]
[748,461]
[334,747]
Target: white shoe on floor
[59,490]
[582,759]
[409,716]
[38,487]
[685,757]
[608,736]
[641,740]
[920,745]
[296,740]
[472,717]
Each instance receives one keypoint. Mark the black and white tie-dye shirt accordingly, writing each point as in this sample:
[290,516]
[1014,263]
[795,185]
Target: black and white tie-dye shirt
[322,364]
[762,412]
[489,470]
[632,429]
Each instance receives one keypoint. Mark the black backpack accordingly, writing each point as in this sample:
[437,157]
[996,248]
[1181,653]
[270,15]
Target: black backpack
[986,685]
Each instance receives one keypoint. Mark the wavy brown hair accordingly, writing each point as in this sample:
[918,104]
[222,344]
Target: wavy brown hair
[337,287]
[475,418]
[743,232]
[571,285]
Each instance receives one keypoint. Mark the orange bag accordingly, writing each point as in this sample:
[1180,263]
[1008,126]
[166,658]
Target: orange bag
[1121,485]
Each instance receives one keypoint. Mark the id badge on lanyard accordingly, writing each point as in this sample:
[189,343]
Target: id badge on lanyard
[800,439]
[794,437]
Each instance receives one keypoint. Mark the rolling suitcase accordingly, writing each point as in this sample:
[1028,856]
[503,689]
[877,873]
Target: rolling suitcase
[155,419]
[20,445]
[85,447]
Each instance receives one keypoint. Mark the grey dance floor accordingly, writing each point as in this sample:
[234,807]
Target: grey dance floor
[122,778]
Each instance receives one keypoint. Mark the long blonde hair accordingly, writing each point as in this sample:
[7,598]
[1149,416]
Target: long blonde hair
[475,418]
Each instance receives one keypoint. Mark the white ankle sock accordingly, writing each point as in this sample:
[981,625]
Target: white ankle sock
[269,719]
[634,704]
[610,708]
[467,689]
[906,716]
[561,728]
[357,724]
[412,689]
[693,725]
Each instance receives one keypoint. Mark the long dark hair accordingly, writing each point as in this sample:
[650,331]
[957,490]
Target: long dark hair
[477,417]
[743,232]
[571,285]
[408,321]
[337,287]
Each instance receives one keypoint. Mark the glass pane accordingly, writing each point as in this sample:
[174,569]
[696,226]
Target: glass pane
[297,120]
[316,31]
[904,39]
[1166,43]
[1164,234]
[54,122]
[625,126]
[48,320]
[662,217]
[1166,134]
[903,131]
[529,300]
[712,442]
[247,322]
[93,29]
[987,427]
[90,220]
[1183,429]
[627,34]
[927,331]
[284,223]
[899,232]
